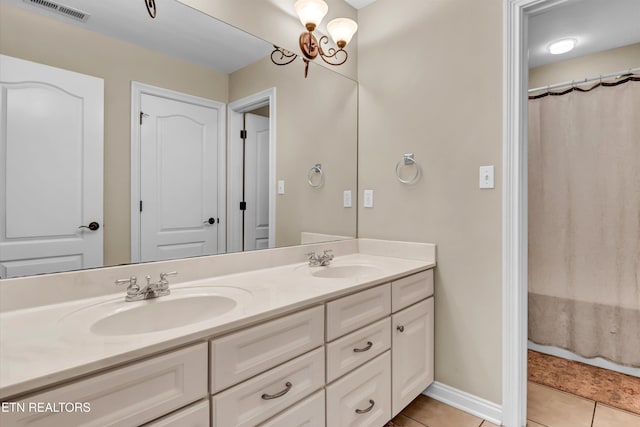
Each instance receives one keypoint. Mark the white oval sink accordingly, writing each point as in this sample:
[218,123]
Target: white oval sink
[184,306]
[158,315]
[345,271]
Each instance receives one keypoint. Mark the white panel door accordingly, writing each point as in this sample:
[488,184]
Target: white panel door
[178,179]
[256,217]
[51,168]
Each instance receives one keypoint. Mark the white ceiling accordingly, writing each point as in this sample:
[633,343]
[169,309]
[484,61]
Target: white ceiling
[178,30]
[596,25]
[359,4]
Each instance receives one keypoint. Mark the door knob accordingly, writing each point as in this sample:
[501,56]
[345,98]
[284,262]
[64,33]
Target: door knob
[210,221]
[93,226]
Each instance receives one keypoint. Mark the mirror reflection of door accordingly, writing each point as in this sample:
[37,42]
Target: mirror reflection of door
[179,143]
[51,160]
[256,180]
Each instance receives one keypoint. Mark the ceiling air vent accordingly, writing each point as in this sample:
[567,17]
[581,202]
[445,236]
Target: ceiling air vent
[60,9]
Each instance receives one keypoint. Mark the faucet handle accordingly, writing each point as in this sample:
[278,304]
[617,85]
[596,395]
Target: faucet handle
[311,254]
[133,288]
[163,276]
[132,281]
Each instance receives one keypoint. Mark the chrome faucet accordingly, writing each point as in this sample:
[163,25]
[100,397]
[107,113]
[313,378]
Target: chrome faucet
[151,290]
[320,260]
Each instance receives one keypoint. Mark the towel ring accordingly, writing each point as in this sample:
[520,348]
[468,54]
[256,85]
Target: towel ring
[408,160]
[316,170]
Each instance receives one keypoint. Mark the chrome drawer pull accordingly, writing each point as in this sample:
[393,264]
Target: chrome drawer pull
[288,386]
[364,411]
[363,349]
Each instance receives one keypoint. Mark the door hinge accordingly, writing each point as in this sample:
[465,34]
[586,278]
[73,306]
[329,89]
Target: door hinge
[243,206]
[140,205]
[243,134]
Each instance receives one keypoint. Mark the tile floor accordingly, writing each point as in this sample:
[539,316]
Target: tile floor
[547,407]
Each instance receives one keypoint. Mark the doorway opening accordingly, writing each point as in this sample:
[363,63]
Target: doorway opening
[251,174]
[516,204]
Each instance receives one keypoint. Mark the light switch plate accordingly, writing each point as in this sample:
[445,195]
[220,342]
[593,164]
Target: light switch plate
[368,198]
[486,177]
[281,187]
[347,199]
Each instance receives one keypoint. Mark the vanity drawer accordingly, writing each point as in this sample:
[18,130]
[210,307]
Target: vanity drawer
[196,415]
[308,413]
[354,393]
[245,404]
[241,355]
[411,289]
[354,311]
[371,341]
[132,395]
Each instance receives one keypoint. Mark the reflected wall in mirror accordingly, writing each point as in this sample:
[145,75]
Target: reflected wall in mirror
[182,53]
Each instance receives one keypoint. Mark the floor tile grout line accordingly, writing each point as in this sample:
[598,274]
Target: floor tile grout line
[593,416]
[419,422]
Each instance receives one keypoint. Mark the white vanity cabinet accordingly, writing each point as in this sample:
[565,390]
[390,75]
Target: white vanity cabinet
[379,350]
[127,396]
[353,361]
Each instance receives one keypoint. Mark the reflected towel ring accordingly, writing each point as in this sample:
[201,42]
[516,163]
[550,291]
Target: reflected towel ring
[408,160]
[316,170]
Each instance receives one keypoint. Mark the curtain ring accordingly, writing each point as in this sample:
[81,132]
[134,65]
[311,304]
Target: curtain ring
[407,160]
[315,170]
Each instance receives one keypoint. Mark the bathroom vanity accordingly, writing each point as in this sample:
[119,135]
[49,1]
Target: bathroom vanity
[346,344]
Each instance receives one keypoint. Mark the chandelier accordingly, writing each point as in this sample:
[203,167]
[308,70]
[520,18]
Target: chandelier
[311,13]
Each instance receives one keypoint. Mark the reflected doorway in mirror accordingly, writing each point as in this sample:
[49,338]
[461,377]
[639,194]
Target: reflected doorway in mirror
[176,178]
[51,160]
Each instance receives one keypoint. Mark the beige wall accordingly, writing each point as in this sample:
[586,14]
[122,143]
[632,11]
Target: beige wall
[316,122]
[276,22]
[430,79]
[608,61]
[36,38]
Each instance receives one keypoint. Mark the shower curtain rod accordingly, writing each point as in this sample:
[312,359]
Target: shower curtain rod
[586,80]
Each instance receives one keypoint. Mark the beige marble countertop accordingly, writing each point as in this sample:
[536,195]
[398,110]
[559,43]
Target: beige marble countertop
[49,344]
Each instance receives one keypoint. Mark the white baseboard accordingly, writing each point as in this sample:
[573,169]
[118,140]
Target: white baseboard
[465,402]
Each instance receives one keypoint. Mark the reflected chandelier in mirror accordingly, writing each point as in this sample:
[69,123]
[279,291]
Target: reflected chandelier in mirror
[137,150]
[311,13]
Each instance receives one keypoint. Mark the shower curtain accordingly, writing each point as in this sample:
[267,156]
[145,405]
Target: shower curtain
[584,221]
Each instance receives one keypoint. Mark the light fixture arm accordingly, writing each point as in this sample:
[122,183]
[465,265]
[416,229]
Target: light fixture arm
[151,7]
[332,54]
[281,56]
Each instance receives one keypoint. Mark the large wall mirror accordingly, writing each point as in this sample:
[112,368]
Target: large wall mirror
[130,139]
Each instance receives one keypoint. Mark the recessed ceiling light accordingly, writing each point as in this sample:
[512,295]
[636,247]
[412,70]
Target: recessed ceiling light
[561,46]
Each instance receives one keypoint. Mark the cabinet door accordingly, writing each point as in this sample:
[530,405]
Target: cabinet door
[241,355]
[261,397]
[196,415]
[351,351]
[308,413]
[362,397]
[128,396]
[349,313]
[411,289]
[412,347]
